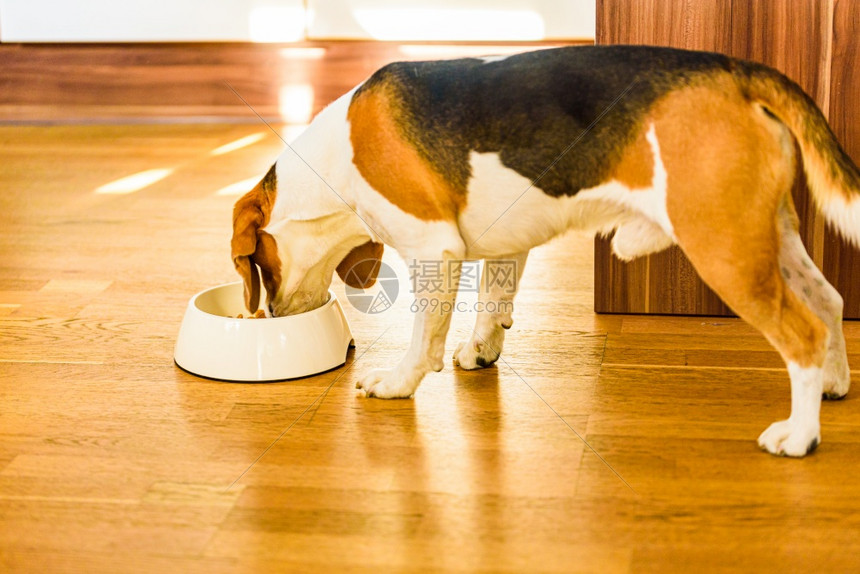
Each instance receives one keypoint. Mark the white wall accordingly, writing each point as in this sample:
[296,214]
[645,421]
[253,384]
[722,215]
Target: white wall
[151,20]
[452,19]
[291,20]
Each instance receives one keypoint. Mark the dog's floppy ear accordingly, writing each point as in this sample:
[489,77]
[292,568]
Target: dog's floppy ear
[251,246]
[361,265]
[246,222]
[269,262]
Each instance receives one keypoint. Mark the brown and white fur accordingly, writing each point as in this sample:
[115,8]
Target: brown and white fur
[485,159]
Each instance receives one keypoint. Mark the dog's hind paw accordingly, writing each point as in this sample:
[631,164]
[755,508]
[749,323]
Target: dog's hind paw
[475,354]
[837,380]
[784,439]
[386,384]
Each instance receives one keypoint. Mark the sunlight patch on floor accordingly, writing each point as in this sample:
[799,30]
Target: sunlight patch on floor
[238,144]
[134,182]
[240,187]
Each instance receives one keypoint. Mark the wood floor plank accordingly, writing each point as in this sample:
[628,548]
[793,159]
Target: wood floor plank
[130,562]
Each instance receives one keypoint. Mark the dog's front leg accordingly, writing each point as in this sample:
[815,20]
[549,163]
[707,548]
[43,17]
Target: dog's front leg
[500,280]
[434,283]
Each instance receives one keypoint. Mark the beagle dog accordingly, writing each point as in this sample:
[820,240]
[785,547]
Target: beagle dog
[485,158]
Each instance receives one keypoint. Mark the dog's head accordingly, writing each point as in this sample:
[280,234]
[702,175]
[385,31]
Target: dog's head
[295,257]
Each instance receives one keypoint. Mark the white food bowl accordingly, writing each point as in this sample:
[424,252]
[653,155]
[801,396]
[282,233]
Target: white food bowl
[212,344]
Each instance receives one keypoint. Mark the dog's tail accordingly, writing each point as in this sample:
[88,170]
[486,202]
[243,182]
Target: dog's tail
[831,175]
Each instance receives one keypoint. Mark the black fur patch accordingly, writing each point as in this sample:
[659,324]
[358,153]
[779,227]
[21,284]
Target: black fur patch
[270,180]
[559,117]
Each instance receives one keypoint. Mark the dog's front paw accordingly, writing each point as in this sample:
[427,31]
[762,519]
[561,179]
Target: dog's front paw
[785,439]
[387,384]
[474,354]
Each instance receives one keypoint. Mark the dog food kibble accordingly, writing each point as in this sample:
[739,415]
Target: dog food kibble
[260,314]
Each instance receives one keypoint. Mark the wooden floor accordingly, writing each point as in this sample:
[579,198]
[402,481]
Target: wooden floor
[597,444]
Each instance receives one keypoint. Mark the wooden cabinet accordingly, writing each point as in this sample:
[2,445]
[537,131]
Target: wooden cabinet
[815,42]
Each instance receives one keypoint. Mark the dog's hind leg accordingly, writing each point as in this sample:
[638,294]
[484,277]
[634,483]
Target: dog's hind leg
[750,281]
[809,284]
[744,268]
[500,280]
[724,200]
